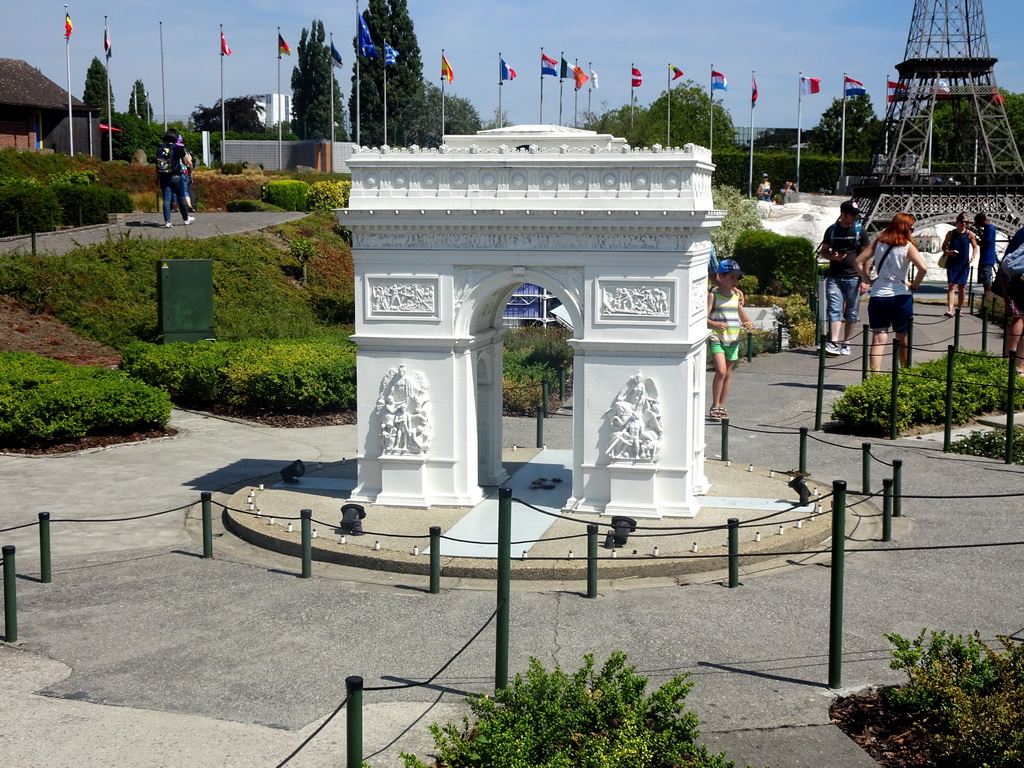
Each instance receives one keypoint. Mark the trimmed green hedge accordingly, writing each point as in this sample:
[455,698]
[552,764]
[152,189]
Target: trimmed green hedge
[328,195]
[979,386]
[48,401]
[781,264]
[27,206]
[280,375]
[289,195]
[94,202]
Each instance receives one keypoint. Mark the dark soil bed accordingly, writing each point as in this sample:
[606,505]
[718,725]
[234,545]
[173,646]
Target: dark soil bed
[890,736]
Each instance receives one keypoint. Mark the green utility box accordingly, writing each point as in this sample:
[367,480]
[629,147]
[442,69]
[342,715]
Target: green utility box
[185,299]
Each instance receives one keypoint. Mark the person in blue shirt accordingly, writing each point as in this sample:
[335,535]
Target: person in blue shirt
[987,258]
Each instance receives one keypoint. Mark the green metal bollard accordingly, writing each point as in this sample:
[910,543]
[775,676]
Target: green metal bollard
[778,338]
[561,384]
[725,439]
[865,352]
[821,384]
[887,509]
[803,450]
[45,566]
[354,722]
[80,224]
[307,542]
[540,425]
[1011,405]
[947,436]
[750,347]
[206,496]
[910,343]
[734,552]
[894,393]
[504,587]
[592,561]
[33,243]
[17,222]
[51,220]
[984,326]
[10,595]
[970,290]
[435,559]
[897,487]
[835,624]
[545,396]
[865,467]
[956,328]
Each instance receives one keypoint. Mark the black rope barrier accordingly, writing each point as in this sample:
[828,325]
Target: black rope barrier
[557,516]
[260,514]
[118,519]
[314,733]
[17,527]
[879,460]
[762,431]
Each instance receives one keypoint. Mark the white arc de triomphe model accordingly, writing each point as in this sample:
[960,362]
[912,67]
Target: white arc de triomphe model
[441,239]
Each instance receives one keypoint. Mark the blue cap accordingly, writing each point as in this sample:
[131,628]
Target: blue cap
[728,265]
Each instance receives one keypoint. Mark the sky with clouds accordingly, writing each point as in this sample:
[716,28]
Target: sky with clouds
[865,39]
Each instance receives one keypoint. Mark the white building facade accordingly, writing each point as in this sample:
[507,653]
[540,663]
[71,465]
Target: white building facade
[442,239]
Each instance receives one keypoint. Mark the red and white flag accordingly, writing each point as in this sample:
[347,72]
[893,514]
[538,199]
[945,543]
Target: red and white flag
[897,91]
[225,49]
[637,78]
[809,85]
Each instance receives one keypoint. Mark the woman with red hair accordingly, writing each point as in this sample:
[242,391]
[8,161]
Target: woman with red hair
[891,297]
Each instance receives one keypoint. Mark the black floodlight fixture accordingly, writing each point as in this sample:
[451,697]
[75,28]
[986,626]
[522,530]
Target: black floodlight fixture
[352,519]
[798,485]
[293,471]
[619,533]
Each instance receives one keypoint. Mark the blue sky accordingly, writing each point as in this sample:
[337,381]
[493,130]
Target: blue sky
[823,39]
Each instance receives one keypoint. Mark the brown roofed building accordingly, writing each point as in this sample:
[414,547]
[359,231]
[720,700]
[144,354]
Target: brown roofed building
[34,113]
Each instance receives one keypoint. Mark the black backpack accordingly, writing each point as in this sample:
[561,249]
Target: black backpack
[165,159]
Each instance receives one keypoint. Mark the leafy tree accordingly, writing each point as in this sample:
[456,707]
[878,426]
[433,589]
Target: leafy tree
[136,133]
[311,88]
[495,121]
[388,20]
[424,127]
[242,113]
[863,128]
[95,93]
[1014,105]
[138,102]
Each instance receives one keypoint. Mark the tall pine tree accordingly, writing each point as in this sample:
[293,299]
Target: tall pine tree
[389,21]
[311,88]
[95,93]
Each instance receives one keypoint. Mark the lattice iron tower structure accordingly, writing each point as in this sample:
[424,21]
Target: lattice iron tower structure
[946,82]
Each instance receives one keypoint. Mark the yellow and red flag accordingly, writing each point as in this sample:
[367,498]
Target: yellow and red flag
[67,25]
[446,70]
[282,46]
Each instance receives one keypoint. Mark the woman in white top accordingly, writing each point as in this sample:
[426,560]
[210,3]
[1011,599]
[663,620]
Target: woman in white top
[891,300]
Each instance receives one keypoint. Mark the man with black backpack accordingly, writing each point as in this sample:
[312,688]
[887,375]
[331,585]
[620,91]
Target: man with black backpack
[172,161]
[843,241]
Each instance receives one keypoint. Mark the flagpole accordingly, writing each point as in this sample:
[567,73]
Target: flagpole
[110,127]
[575,98]
[541,122]
[442,97]
[842,144]
[385,141]
[223,118]
[279,100]
[163,84]
[590,88]
[561,84]
[799,107]
[499,90]
[71,120]
[359,142]
[332,101]
[750,177]
[711,129]
[632,88]
[668,110]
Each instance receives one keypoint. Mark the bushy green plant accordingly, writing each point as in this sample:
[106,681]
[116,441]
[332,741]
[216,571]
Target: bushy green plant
[305,376]
[328,195]
[591,719]
[783,265]
[964,695]
[532,355]
[251,206]
[84,204]
[749,285]
[990,444]
[47,401]
[289,195]
[979,386]
[78,178]
[27,206]
[740,216]
[231,169]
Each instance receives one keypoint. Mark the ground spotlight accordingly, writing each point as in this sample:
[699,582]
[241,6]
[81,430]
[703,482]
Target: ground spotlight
[352,519]
[619,533]
[798,485]
[293,471]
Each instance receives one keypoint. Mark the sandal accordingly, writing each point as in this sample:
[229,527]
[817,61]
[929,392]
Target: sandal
[718,413]
[947,314]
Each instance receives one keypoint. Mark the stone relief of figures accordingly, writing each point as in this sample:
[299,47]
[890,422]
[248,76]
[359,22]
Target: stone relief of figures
[408,297]
[635,422]
[635,300]
[403,413]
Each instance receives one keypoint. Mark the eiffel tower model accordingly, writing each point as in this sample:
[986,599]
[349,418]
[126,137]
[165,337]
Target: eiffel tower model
[947,72]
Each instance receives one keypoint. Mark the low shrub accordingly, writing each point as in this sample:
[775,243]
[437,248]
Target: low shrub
[27,206]
[84,205]
[251,206]
[990,444]
[231,169]
[979,386]
[78,178]
[289,195]
[964,695]
[590,719]
[305,376]
[45,401]
[532,355]
[328,195]
[781,264]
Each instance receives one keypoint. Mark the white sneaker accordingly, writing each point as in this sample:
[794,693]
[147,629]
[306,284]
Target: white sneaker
[189,220]
[844,350]
[167,225]
[832,348]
